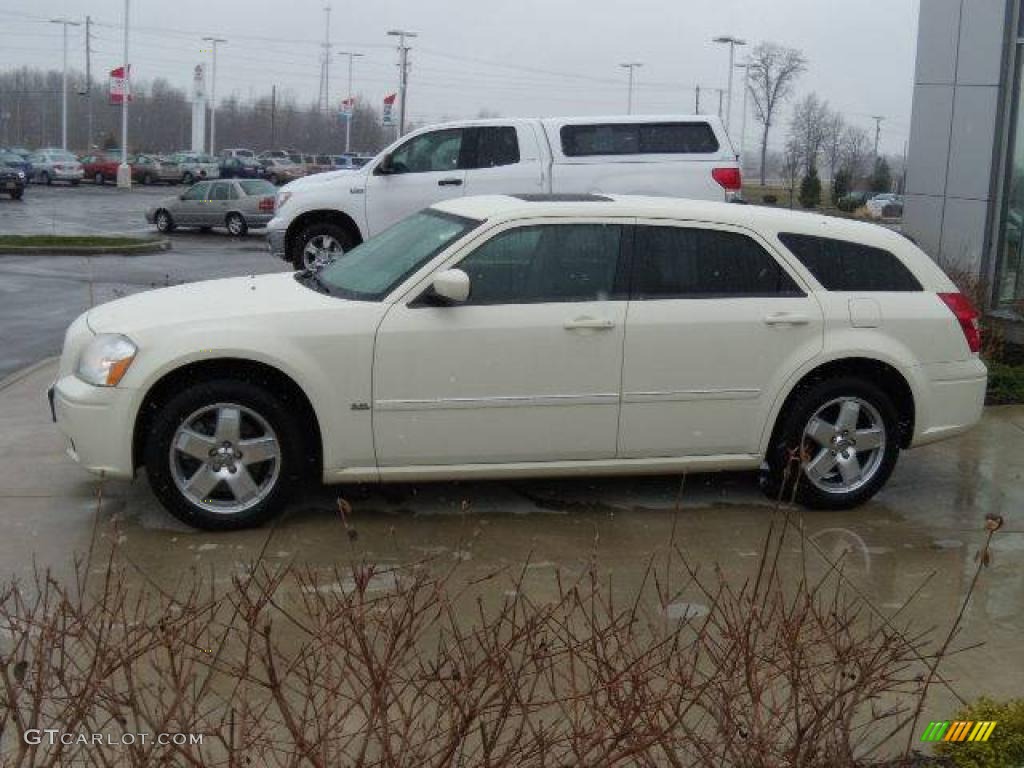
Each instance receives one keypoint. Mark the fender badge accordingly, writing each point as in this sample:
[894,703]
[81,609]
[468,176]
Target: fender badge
[360,406]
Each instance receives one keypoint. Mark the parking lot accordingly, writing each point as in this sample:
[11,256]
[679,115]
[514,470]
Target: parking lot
[928,522]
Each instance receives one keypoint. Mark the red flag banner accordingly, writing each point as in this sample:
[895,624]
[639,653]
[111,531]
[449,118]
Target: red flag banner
[387,116]
[119,85]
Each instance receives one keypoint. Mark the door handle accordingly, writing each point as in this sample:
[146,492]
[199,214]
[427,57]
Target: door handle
[589,323]
[786,318]
[450,183]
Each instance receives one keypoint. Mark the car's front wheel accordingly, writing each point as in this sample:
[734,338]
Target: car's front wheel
[845,432]
[164,221]
[98,179]
[188,178]
[236,224]
[223,455]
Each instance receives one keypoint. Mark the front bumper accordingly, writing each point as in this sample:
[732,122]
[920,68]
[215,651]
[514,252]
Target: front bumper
[59,175]
[97,425]
[276,242]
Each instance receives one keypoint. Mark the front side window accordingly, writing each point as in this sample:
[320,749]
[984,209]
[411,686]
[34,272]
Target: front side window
[371,270]
[429,152]
[197,191]
[686,262]
[638,139]
[547,263]
[841,265]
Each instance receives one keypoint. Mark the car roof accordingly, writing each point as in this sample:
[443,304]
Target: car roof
[765,219]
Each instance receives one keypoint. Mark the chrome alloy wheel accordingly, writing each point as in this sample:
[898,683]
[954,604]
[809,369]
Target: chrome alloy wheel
[320,251]
[225,458]
[845,443]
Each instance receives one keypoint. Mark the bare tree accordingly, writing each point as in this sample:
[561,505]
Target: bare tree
[807,129]
[773,69]
[832,142]
[854,152]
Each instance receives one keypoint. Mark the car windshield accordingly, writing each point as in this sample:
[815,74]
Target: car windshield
[65,156]
[257,187]
[373,269]
[10,157]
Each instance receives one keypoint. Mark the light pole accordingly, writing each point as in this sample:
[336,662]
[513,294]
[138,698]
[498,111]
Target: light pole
[403,77]
[64,83]
[213,92]
[745,66]
[352,106]
[124,171]
[631,66]
[732,42]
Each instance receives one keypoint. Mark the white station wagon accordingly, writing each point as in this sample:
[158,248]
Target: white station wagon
[518,336]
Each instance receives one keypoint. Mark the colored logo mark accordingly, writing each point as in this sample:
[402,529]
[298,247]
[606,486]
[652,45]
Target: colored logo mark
[959,730]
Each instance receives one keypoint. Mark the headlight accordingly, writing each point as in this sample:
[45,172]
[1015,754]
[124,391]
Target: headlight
[282,198]
[105,360]
[21,174]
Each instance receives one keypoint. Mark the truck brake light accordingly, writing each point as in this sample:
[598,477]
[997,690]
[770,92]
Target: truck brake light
[729,178]
[967,316]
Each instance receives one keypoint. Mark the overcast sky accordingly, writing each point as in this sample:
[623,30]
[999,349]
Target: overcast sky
[517,58]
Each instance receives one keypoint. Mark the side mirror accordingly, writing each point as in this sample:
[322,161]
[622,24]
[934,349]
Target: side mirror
[451,285]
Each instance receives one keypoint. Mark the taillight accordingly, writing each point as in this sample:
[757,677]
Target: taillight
[267,204]
[728,178]
[967,316]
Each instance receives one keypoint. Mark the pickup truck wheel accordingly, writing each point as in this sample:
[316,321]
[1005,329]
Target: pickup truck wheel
[318,243]
[223,455]
[846,429]
[236,224]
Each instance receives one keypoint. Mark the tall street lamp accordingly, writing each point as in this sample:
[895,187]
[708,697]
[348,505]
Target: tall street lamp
[745,66]
[124,171]
[213,92]
[348,120]
[732,42]
[631,66]
[64,84]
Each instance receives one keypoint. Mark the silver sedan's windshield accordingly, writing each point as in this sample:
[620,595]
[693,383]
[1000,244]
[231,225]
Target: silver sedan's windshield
[373,269]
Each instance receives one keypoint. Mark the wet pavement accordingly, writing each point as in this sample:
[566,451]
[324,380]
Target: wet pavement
[927,524]
[41,295]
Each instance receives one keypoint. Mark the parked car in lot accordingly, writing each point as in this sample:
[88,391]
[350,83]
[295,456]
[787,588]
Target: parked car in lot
[100,168]
[349,162]
[686,156]
[237,152]
[280,170]
[853,200]
[50,165]
[12,181]
[241,168]
[235,204]
[885,206]
[194,166]
[509,336]
[16,160]
[151,169]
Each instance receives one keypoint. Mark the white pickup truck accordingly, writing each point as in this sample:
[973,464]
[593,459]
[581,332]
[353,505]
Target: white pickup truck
[318,217]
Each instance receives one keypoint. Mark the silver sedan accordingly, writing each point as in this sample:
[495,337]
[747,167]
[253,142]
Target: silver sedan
[235,204]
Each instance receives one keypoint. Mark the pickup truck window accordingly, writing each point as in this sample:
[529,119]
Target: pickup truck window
[434,151]
[547,263]
[638,139]
[692,263]
[490,146]
[840,265]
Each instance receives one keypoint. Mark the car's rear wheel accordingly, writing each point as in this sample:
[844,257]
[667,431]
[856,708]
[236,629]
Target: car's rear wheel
[318,243]
[164,221]
[44,177]
[236,224]
[846,433]
[224,454]
[147,179]
[98,179]
[188,178]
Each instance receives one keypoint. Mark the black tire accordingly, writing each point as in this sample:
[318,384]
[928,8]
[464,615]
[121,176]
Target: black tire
[44,177]
[316,229]
[17,194]
[277,412]
[188,178]
[147,179]
[236,224]
[74,182]
[98,180]
[164,221]
[804,404]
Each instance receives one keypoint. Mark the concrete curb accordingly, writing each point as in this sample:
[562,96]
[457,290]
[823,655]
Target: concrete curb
[153,246]
[24,373]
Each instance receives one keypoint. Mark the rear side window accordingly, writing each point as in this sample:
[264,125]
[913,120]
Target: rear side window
[638,139]
[686,262]
[491,146]
[840,265]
